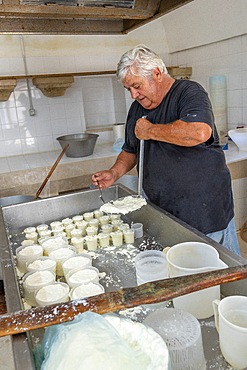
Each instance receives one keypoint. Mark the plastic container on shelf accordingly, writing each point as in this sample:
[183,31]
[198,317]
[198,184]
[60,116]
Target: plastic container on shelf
[91,242]
[117,145]
[218,96]
[138,229]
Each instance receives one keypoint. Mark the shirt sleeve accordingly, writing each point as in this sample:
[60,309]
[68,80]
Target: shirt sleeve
[195,105]
[131,142]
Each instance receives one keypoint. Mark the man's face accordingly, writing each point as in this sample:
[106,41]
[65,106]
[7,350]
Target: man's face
[145,90]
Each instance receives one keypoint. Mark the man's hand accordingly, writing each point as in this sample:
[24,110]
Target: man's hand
[124,163]
[142,129]
[103,179]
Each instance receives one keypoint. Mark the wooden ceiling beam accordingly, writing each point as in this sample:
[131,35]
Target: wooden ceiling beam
[61,11]
[60,27]
[78,20]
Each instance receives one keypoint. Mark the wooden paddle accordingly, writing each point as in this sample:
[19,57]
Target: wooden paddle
[50,172]
[154,292]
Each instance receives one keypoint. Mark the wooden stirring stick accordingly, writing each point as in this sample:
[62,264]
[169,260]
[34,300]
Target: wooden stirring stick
[154,292]
[50,172]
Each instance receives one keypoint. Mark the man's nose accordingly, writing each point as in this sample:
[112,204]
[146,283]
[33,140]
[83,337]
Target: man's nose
[134,93]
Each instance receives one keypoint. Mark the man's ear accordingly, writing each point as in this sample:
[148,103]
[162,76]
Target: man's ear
[157,75]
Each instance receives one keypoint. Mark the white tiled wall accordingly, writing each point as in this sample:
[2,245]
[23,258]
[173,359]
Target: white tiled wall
[96,101]
[91,101]
[103,100]
[22,133]
[228,58]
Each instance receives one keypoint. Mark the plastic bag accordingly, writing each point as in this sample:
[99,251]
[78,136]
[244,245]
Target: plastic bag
[88,342]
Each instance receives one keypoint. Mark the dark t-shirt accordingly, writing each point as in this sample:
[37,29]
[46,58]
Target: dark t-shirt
[192,183]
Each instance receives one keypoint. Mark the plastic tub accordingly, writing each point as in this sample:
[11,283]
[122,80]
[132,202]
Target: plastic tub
[78,261]
[51,294]
[86,290]
[33,281]
[42,263]
[60,255]
[84,275]
[26,254]
[151,265]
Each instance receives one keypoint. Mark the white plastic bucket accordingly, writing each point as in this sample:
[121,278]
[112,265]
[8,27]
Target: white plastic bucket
[191,258]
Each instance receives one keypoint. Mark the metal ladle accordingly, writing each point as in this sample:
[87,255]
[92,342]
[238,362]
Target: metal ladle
[100,191]
[140,172]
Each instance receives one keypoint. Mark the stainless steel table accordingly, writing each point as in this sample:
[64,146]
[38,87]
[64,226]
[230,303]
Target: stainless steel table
[160,230]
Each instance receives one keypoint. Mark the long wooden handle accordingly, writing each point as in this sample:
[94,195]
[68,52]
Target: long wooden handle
[154,292]
[51,172]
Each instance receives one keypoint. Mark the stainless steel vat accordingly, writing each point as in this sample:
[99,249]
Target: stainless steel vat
[15,199]
[164,228]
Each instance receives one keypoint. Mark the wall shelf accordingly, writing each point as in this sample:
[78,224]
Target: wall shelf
[69,74]
[55,84]
[6,88]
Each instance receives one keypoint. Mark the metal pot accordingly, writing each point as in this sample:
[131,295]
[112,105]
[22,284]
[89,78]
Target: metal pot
[80,145]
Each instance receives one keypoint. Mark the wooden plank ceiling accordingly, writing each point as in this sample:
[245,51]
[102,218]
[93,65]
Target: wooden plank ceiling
[18,17]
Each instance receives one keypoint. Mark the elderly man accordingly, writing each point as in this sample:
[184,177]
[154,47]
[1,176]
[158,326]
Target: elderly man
[185,172]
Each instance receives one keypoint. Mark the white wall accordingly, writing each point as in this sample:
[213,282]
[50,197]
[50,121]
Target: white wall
[228,58]
[91,101]
[208,35]
[54,54]
[99,100]
[202,22]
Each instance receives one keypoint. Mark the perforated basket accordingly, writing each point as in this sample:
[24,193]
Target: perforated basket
[181,332]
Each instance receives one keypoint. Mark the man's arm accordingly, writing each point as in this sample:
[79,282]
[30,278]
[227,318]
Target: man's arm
[178,132]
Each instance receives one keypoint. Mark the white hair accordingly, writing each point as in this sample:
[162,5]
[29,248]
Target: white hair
[139,61]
